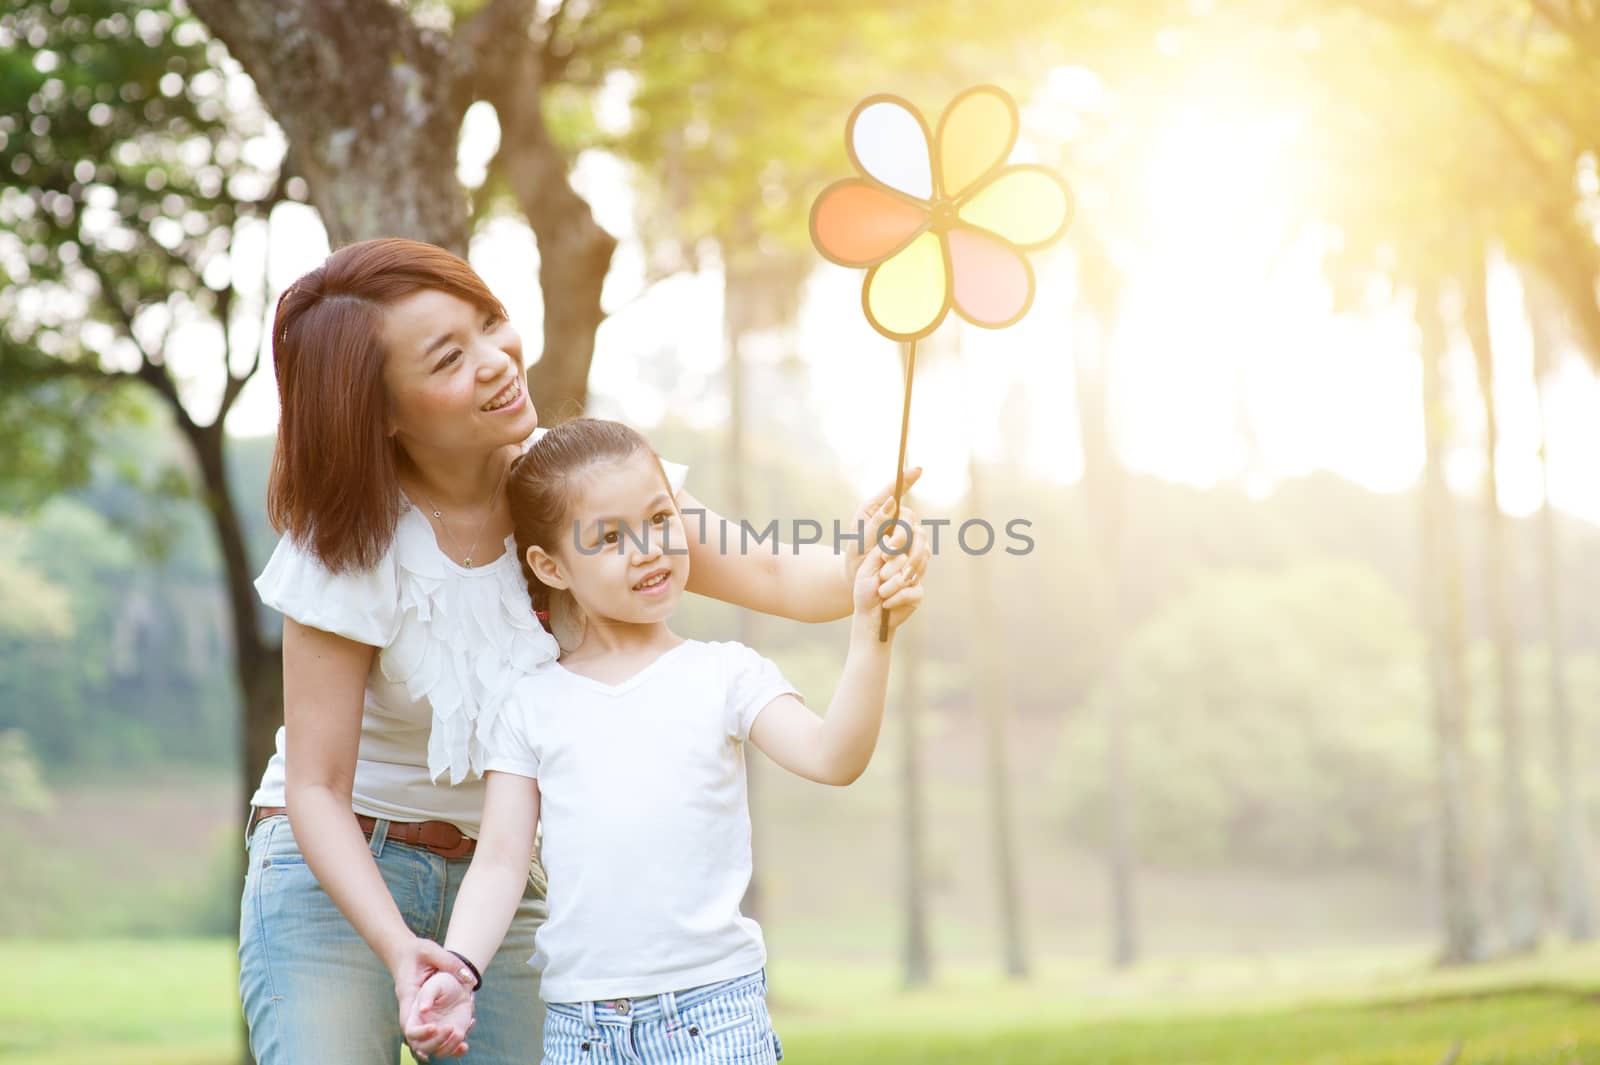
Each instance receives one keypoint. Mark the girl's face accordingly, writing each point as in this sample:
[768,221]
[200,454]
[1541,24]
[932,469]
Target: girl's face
[454,376]
[623,552]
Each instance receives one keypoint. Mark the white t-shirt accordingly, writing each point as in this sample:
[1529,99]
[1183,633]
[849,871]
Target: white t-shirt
[451,641]
[646,824]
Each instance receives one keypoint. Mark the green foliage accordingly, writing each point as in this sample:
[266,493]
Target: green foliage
[129,179]
[21,783]
[739,106]
[111,659]
[1273,718]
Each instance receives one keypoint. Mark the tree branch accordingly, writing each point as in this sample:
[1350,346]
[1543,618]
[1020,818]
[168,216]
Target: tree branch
[552,30]
[481,47]
[149,371]
[1419,28]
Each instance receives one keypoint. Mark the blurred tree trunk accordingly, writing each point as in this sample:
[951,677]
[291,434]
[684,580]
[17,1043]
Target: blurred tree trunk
[1447,648]
[760,294]
[1517,880]
[258,662]
[736,324]
[916,952]
[994,697]
[1105,496]
[1572,825]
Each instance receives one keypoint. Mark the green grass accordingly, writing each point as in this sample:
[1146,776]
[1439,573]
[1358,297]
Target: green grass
[174,1003]
[128,1002]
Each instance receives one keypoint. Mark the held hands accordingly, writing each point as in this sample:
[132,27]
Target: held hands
[440,1018]
[424,965]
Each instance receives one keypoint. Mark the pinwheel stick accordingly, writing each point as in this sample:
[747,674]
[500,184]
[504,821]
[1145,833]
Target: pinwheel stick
[900,470]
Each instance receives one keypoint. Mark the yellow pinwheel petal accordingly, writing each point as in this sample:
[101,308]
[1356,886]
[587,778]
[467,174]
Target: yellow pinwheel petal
[906,296]
[976,136]
[1026,205]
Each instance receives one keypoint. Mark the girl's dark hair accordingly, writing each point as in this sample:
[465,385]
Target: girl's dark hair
[543,485]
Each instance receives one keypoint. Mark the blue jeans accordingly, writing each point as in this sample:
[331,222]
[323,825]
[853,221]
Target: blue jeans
[725,1022]
[313,990]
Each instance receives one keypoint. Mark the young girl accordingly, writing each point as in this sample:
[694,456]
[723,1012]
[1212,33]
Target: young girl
[630,748]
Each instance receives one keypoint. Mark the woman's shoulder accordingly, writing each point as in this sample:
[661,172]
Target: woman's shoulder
[359,604]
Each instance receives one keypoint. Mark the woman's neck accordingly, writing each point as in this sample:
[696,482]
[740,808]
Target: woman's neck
[455,480]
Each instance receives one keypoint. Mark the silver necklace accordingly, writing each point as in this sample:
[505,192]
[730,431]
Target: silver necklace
[467,561]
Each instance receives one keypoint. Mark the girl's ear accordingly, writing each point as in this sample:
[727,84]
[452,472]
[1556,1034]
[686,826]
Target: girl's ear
[546,567]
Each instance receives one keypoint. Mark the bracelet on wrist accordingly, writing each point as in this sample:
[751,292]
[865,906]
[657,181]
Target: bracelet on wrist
[471,968]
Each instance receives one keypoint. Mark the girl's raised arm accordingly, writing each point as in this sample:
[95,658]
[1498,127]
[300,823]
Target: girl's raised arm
[836,749]
[808,582]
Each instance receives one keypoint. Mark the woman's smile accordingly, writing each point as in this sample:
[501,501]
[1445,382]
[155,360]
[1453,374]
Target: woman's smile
[507,399]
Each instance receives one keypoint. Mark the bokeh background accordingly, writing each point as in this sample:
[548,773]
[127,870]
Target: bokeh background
[1279,746]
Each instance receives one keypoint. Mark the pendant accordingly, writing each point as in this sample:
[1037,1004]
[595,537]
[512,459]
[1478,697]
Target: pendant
[467,562]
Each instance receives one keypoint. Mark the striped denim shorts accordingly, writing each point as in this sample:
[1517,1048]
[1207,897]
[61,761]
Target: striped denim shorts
[725,1022]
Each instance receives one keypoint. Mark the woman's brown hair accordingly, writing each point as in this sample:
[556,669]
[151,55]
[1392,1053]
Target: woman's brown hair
[334,486]
[543,486]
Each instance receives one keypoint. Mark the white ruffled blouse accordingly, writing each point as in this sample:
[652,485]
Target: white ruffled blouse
[451,641]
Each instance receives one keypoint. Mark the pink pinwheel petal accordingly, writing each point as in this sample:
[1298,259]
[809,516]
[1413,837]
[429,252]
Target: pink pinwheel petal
[992,283]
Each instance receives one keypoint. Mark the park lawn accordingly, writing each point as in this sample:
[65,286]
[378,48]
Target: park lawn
[174,1003]
[122,1002]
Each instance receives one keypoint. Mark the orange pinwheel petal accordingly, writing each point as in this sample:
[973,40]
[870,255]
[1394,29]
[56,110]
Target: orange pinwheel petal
[906,297]
[976,136]
[1026,205]
[991,283]
[854,223]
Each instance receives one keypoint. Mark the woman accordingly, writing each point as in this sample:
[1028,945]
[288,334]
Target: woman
[404,401]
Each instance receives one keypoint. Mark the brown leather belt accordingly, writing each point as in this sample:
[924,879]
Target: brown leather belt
[440,837]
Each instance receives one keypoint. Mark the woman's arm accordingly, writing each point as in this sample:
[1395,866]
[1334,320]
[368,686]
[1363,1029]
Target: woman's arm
[483,911]
[808,582]
[324,682]
[835,749]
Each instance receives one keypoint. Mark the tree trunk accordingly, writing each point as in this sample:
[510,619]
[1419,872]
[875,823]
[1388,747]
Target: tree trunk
[916,950]
[574,252]
[994,700]
[1517,886]
[370,104]
[257,663]
[372,107]
[1447,640]
[735,325]
[1105,506]
[1572,825]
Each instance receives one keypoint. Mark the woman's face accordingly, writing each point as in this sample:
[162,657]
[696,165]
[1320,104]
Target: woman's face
[454,376]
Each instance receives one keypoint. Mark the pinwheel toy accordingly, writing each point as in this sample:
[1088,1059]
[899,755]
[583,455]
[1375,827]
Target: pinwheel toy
[938,222]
